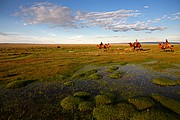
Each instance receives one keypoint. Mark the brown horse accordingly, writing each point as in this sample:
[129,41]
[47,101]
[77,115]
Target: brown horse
[165,46]
[106,46]
[135,45]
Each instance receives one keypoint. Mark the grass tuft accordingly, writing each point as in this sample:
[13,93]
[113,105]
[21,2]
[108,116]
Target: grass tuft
[84,74]
[164,81]
[104,99]
[122,111]
[71,103]
[84,95]
[85,106]
[70,83]
[78,75]
[167,102]
[142,103]
[95,76]
[116,75]
[112,69]
[19,84]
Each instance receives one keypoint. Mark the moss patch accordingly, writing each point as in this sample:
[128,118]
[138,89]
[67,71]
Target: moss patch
[95,76]
[84,95]
[153,114]
[164,81]
[142,103]
[69,83]
[121,111]
[104,99]
[19,83]
[167,102]
[116,75]
[71,103]
[85,106]
[112,69]
[84,74]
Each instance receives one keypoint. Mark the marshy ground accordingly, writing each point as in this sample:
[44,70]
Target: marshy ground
[82,82]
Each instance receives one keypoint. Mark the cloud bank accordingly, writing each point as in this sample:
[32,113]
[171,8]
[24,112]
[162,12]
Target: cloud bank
[61,16]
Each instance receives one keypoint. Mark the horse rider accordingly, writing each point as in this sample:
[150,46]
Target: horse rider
[136,42]
[101,44]
[166,43]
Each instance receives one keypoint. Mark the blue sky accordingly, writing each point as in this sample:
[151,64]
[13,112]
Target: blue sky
[89,21]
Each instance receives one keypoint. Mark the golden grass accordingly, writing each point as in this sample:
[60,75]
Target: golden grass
[35,61]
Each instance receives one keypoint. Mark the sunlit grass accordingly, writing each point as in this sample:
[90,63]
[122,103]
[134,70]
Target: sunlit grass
[63,71]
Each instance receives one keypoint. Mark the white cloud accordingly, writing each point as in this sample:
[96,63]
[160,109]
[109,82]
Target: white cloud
[60,16]
[46,13]
[175,16]
[146,6]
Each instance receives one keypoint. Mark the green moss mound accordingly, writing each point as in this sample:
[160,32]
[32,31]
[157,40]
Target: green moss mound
[71,103]
[116,75]
[84,74]
[69,83]
[104,99]
[112,69]
[153,114]
[95,76]
[167,102]
[90,72]
[164,81]
[121,111]
[19,83]
[78,75]
[85,106]
[84,95]
[142,103]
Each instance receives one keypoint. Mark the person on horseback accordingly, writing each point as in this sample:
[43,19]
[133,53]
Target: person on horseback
[136,44]
[101,44]
[166,43]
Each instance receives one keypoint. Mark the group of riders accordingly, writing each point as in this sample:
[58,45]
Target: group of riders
[136,44]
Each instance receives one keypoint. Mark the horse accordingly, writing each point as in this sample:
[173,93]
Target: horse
[106,46]
[135,45]
[165,46]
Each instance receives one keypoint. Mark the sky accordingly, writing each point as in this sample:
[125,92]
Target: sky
[89,21]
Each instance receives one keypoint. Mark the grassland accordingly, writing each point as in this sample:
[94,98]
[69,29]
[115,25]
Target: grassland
[39,81]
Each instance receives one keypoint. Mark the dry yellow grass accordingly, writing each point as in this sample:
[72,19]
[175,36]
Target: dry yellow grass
[37,61]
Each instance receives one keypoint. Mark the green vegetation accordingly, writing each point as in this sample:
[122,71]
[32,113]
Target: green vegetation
[116,75]
[85,106]
[112,69]
[164,81]
[95,76]
[84,75]
[104,99]
[71,103]
[69,83]
[84,95]
[142,103]
[19,83]
[63,70]
[167,102]
[121,111]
